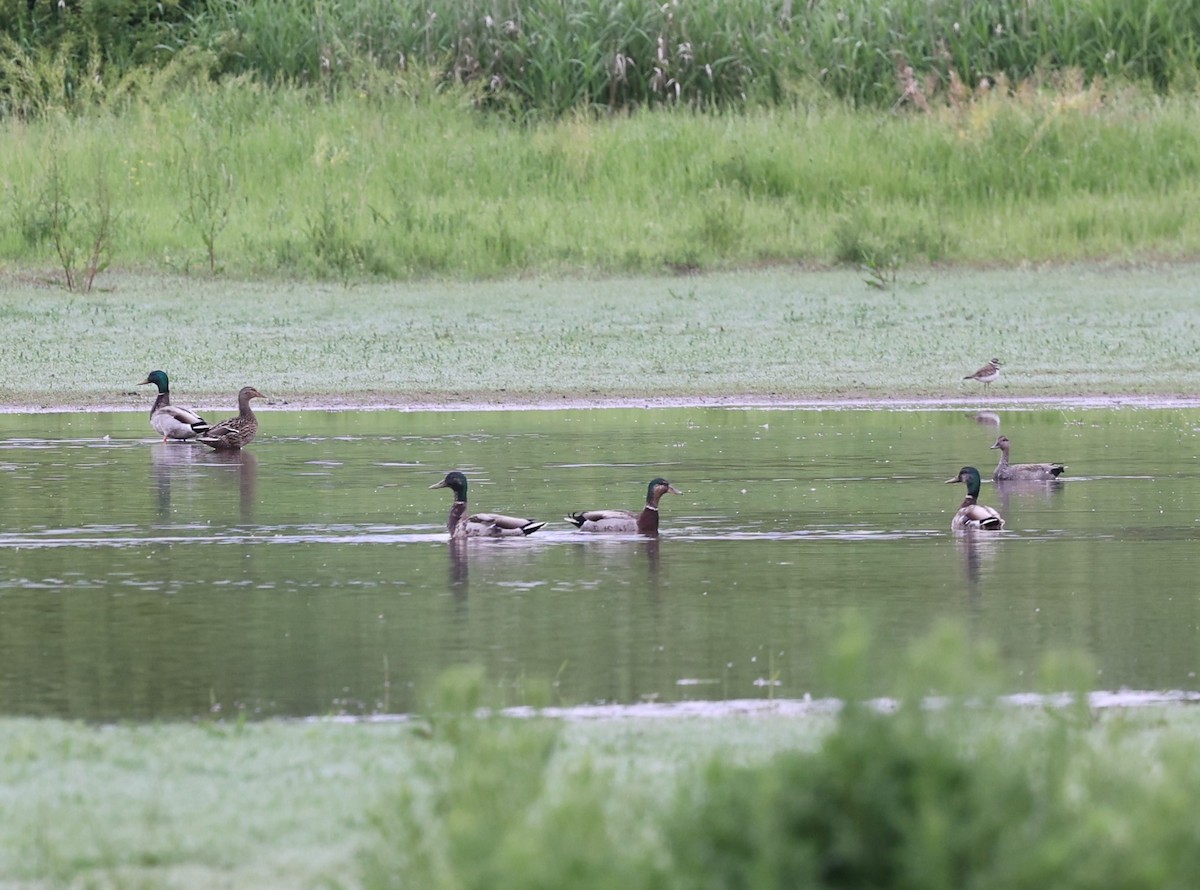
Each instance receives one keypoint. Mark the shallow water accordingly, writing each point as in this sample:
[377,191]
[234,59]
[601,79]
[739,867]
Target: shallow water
[312,574]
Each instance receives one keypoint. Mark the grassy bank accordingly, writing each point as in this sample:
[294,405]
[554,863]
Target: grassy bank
[398,181]
[989,799]
[780,334]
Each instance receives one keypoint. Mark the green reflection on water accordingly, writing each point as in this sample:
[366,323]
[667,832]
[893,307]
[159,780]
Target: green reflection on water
[312,573]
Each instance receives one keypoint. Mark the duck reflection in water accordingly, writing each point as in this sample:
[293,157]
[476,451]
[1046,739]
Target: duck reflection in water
[977,552]
[171,463]
[458,567]
[1007,492]
[985,418]
[246,466]
[166,460]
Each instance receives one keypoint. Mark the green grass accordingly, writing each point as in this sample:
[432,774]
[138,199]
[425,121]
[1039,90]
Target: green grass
[778,334]
[979,795]
[544,58]
[402,183]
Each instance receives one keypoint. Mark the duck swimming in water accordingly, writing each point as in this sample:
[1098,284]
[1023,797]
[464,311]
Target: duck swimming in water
[479,525]
[971,514]
[626,521]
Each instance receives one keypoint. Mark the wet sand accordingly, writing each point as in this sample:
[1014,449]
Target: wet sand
[380,401]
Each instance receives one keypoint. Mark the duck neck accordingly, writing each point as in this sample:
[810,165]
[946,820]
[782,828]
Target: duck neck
[647,521]
[164,399]
[456,523]
[244,406]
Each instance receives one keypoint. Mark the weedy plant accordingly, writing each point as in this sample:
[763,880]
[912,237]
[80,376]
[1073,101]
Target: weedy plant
[933,792]
[208,189]
[80,230]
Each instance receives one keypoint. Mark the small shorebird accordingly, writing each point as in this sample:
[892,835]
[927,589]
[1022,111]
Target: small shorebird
[989,373]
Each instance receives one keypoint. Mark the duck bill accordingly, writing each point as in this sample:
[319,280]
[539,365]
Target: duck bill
[955,479]
[671,489]
[145,383]
[441,484]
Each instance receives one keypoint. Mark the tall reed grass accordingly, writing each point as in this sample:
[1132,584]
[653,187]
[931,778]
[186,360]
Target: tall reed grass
[549,57]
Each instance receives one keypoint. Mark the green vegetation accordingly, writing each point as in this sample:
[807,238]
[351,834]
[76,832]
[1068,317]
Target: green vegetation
[404,183]
[978,795]
[1062,332]
[550,57]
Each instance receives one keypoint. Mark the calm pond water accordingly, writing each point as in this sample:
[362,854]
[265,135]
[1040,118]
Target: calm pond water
[312,575]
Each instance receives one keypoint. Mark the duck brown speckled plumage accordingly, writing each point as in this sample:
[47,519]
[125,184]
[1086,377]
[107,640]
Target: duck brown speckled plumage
[236,432]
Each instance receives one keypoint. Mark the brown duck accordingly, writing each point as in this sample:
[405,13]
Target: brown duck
[232,434]
[1006,472]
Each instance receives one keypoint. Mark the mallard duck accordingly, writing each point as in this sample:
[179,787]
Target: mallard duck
[172,421]
[626,521]
[972,515]
[479,525]
[989,373]
[231,434]
[1006,472]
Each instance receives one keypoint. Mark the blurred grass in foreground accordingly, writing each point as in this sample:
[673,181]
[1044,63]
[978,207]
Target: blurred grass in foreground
[967,793]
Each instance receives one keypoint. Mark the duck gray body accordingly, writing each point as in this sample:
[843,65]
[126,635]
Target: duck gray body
[1006,472]
[172,421]
[480,525]
[626,521]
[232,434]
[971,514]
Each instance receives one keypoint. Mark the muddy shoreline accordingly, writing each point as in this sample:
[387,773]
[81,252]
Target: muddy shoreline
[542,402]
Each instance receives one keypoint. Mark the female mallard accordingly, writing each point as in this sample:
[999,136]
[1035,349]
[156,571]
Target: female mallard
[231,434]
[1006,472]
[626,521]
[479,525]
[171,421]
[972,515]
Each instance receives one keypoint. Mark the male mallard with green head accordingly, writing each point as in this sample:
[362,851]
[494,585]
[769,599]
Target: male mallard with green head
[626,521]
[172,421]
[1006,472]
[479,525]
[972,515]
[231,434]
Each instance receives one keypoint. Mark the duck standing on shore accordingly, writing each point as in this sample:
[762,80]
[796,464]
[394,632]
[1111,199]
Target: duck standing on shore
[232,434]
[172,421]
